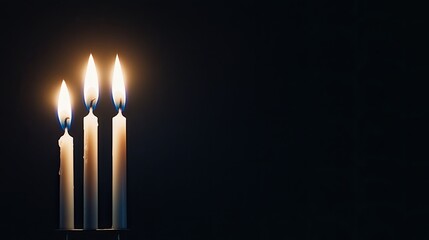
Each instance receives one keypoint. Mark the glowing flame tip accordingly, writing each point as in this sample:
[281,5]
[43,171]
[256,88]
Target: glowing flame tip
[118,86]
[91,84]
[64,107]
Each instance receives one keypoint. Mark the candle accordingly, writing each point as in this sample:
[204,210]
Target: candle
[90,127]
[66,161]
[119,160]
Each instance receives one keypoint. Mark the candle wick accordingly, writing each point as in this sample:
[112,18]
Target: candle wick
[92,103]
[120,105]
[66,123]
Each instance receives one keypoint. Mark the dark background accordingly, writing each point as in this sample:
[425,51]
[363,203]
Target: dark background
[246,120]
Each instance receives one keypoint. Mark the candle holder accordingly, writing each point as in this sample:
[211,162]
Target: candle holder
[93,234]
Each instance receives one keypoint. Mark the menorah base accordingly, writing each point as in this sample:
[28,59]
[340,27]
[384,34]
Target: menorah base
[96,234]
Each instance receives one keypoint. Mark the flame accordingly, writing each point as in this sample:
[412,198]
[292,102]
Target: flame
[64,106]
[91,84]
[118,86]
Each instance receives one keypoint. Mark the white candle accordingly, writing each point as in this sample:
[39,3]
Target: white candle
[90,156]
[66,161]
[119,153]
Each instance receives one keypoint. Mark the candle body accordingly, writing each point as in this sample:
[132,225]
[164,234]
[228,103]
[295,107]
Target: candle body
[119,172]
[90,156]
[66,182]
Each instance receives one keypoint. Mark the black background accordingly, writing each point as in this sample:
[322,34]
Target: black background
[246,120]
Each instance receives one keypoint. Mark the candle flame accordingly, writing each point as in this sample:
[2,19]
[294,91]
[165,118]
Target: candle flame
[91,84]
[64,107]
[118,86]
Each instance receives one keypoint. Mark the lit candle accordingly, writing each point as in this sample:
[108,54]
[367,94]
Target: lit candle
[66,161]
[119,153]
[90,155]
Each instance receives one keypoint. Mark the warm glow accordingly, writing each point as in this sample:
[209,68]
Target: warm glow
[118,86]
[64,106]
[91,84]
